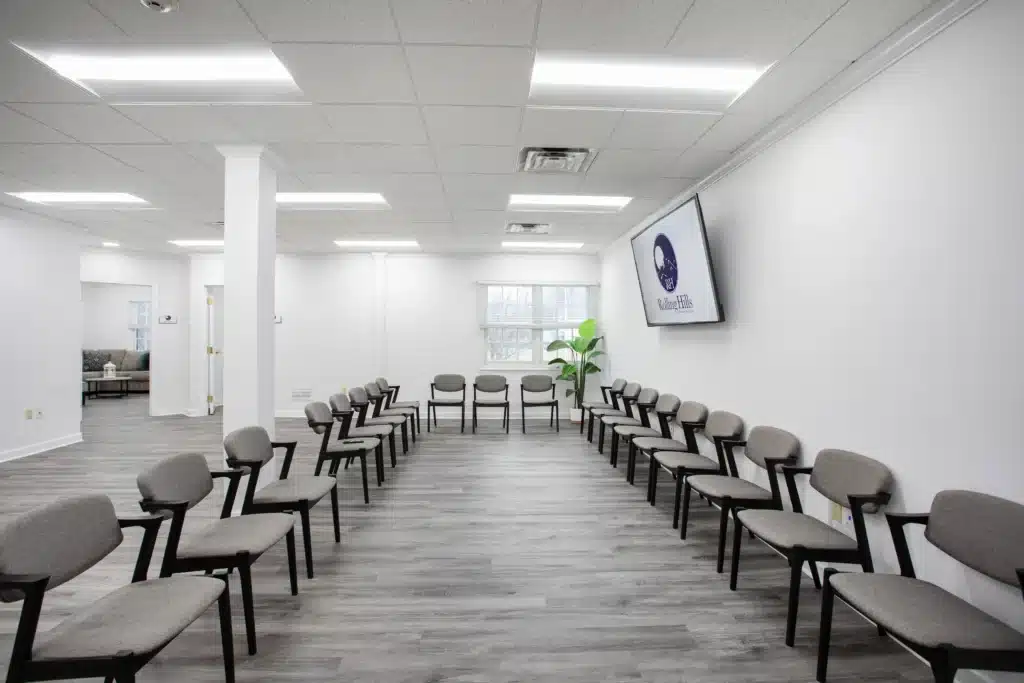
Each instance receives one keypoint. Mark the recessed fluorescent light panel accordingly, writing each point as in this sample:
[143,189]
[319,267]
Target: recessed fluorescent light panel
[377,244]
[197,243]
[585,80]
[331,201]
[78,197]
[542,245]
[134,74]
[567,203]
[112,245]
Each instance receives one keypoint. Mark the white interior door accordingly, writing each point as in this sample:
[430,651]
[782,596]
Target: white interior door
[214,348]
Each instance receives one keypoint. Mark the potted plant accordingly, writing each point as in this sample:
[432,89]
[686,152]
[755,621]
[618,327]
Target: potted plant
[583,350]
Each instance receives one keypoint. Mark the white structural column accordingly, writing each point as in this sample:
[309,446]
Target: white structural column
[250,243]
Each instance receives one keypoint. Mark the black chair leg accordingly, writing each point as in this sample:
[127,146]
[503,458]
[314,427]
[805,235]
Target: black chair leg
[405,439]
[245,578]
[942,670]
[551,417]
[737,539]
[825,629]
[366,483]
[379,450]
[558,419]
[508,417]
[307,540]
[522,411]
[293,570]
[391,443]
[581,423]
[226,638]
[334,510]
[473,421]
[462,427]
[630,462]
[679,498]
[654,482]
[796,565]
[419,422]
[723,529]
[685,515]
[590,427]
[614,458]
[814,575]
[600,437]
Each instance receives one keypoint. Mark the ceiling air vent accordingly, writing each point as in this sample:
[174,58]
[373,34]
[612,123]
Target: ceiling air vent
[528,228]
[555,159]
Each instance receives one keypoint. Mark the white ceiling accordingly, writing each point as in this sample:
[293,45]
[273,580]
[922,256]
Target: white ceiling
[425,101]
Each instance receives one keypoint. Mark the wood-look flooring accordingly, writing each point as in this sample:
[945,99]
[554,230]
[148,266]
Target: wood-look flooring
[486,558]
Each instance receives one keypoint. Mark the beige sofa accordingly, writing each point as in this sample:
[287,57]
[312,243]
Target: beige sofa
[129,363]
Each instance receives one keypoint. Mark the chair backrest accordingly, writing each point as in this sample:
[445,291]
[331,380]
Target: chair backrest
[184,477]
[631,390]
[981,531]
[667,404]
[647,397]
[358,395]
[373,391]
[318,412]
[62,540]
[383,384]
[490,383]
[838,474]
[537,383]
[771,442]
[691,411]
[723,425]
[618,384]
[340,403]
[249,443]
[449,382]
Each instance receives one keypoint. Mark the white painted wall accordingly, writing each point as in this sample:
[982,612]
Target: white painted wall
[40,302]
[167,276]
[106,311]
[870,269]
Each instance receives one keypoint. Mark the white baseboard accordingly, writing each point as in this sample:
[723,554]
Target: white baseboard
[291,412]
[41,447]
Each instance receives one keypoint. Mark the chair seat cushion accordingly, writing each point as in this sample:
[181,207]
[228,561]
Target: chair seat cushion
[396,420]
[138,618]
[540,402]
[598,412]
[648,443]
[308,488]
[612,420]
[923,613]
[445,402]
[353,445]
[635,430]
[253,534]
[405,404]
[785,529]
[407,412]
[589,405]
[490,401]
[370,430]
[691,462]
[721,486]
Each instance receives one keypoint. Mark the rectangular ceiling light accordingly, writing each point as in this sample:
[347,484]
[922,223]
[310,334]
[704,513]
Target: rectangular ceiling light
[592,74]
[182,68]
[112,244]
[78,197]
[542,245]
[567,203]
[377,244]
[197,243]
[337,200]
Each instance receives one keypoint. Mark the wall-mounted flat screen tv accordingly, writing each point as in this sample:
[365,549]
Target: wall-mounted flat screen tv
[677,282]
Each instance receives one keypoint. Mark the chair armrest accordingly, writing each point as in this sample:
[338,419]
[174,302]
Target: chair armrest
[896,521]
[859,502]
[793,470]
[172,506]
[151,523]
[340,413]
[772,465]
[289,453]
[284,444]
[789,473]
[312,423]
[144,521]
[733,443]
[23,581]
[1020,580]
[235,476]
[236,473]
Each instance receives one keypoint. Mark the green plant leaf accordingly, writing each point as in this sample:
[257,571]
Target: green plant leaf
[569,392]
[595,353]
[558,344]
[579,345]
[588,328]
[593,343]
[557,361]
[591,368]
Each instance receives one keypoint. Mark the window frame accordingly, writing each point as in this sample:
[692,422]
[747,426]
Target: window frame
[136,309]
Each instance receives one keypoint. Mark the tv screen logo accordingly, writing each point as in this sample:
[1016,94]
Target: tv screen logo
[665,263]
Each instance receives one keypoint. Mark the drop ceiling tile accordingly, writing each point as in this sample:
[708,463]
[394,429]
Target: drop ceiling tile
[267,123]
[477,192]
[788,83]
[477,159]
[553,127]
[24,79]
[546,183]
[660,130]
[633,162]
[640,26]
[642,187]
[305,158]
[55,21]
[371,74]
[89,123]
[328,21]
[471,75]
[859,26]
[733,131]
[64,167]
[199,123]
[699,161]
[16,127]
[163,161]
[393,124]
[217,20]
[473,22]
[760,31]
[404,191]
[472,125]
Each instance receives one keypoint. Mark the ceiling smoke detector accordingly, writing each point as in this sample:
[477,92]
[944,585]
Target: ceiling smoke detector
[161,6]
[528,228]
[555,159]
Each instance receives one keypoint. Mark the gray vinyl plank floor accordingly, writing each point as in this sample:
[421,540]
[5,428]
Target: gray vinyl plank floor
[486,558]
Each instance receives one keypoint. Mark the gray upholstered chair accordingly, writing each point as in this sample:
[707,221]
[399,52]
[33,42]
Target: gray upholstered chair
[980,531]
[391,391]
[625,399]
[497,388]
[664,410]
[321,421]
[175,485]
[378,399]
[640,409]
[615,404]
[610,394]
[251,448]
[766,447]
[538,384]
[114,637]
[690,416]
[447,384]
[363,406]
[343,411]
[849,479]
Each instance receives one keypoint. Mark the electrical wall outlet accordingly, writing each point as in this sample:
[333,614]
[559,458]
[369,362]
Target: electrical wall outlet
[39,414]
[29,413]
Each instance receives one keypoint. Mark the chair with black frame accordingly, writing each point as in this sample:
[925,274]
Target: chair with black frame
[175,485]
[976,529]
[665,409]
[766,447]
[639,415]
[610,394]
[117,635]
[378,399]
[391,392]
[251,448]
[690,417]
[321,421]
[447,384]
[538,384]
[848,479]
[625,399]
[344,412]
[362,403]
[493,385]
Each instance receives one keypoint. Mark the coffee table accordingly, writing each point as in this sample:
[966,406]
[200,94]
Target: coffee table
[118,386]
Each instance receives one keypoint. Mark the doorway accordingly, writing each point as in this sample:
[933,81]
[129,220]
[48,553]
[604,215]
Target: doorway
[215,348]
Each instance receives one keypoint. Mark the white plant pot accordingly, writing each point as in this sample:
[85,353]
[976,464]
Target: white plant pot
[575,415]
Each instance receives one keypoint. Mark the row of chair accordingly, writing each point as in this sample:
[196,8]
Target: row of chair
[491,391]
[116,636]
[974,528]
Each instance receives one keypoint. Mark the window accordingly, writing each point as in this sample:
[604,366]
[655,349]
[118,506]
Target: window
[138,323]
[519,321]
